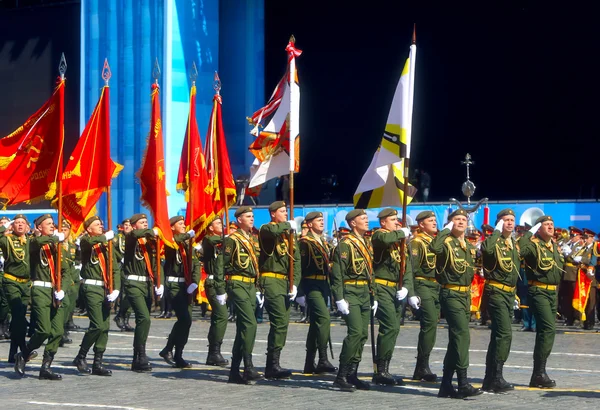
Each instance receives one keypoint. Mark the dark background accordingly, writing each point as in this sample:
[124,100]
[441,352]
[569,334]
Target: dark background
[515,86]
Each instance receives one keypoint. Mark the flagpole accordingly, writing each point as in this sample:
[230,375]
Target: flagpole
[156,74]
[411,90]
[292,127]
[106,74]
[217,88]
[62,69]
[193,76]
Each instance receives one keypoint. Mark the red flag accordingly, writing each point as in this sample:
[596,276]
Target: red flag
[581,292]
[152,175]
[90,169]
[477,286]
[220,178]
[192,179]
[30,156]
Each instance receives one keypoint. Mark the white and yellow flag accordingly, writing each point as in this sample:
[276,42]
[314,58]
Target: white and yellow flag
[383,183]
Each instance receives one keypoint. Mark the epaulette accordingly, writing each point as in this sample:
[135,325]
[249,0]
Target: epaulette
[448,239]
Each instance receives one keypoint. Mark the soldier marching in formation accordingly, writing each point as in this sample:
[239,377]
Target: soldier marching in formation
[360,275]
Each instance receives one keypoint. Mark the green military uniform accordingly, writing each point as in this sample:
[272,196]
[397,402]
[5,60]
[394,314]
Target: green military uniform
[274,282]
[178,276]
[122,316]
[386,268]
[70,254]
[543,266]
[315,264]
[50,315]
[352,273]
[215,285]
[4,308]
[427,289]
[455,258]
[501,264]
[16,284]
[240,262]
[95,274]
[140,252]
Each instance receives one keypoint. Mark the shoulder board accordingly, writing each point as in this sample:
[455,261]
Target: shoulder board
[449,239]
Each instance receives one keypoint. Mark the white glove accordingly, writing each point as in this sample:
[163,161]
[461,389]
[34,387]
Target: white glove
[191,233]
[406,232]
[113,296]
[59,295]
[500,225]
[301,300]
[293,224]
[374,307]
[222,299]
[590,273]
[109,235]
[198,247]
[159,290]
[293,293]
[155,230]
[8,224]
[343,306]
[402,293]
[516,305]
[78,267]
[60,236]
[577,259]
[192,288]
[414,302]
[78,242]
[260,299]
[535,228]
[566,249]
[449,225]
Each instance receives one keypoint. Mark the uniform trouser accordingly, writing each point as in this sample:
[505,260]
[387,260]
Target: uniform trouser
[456,308]
[590,307]
[140,298]
[218,316]
[277,303]
[543,303]
[4,307]
[429,314]
[99,313]
[17,296]
[317,296]
[124,305]
[180,302]
[566,290]
[50,319]
[389,313]
[243,299]
[72,292]
[500,304]
[357,323]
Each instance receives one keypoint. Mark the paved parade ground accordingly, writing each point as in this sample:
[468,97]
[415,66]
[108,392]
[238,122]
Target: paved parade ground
[573,364]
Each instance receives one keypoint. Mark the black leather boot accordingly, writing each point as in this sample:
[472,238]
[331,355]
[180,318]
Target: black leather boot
[341,380]
[45,372]
[490,370]
[382,376]
[353,378]
[140,360]
[21,358]
[539,378]
[119,322]
[234,373]
[12,351]
[65,340]
[273,369]
[215,358]
[167,354]
[398,380]
[422,370]
[446,387]
[98,368]
[81,363]
[324,366]
[250,372]
[180,362]
[309,362]
[126,326]
[464,387]
[498,384]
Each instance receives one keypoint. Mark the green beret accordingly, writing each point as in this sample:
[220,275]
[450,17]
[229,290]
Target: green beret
[425,215]
[66,224]
[125,221]
[242,210]
[505,212]
[304,224]
[42,218]
[89,221]
[313,215]
[543,219]
[459,211]
[21,216]
[176,219]
[488,228]
[384,213]
[354,213]
[216,218]
[137,217]
[276,205]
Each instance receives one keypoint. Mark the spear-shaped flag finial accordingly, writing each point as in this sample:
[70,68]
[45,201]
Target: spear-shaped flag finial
[156,71]
[292,39]
[62,66]
[193,73]
[106,73]
[217,83]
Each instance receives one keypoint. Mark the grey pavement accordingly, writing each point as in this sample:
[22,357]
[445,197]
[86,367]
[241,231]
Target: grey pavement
[573,364]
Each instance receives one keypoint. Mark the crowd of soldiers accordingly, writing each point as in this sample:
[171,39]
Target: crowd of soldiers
[249,267]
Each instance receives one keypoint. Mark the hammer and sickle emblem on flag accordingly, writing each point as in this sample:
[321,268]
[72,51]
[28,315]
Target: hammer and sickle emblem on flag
[34,148]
